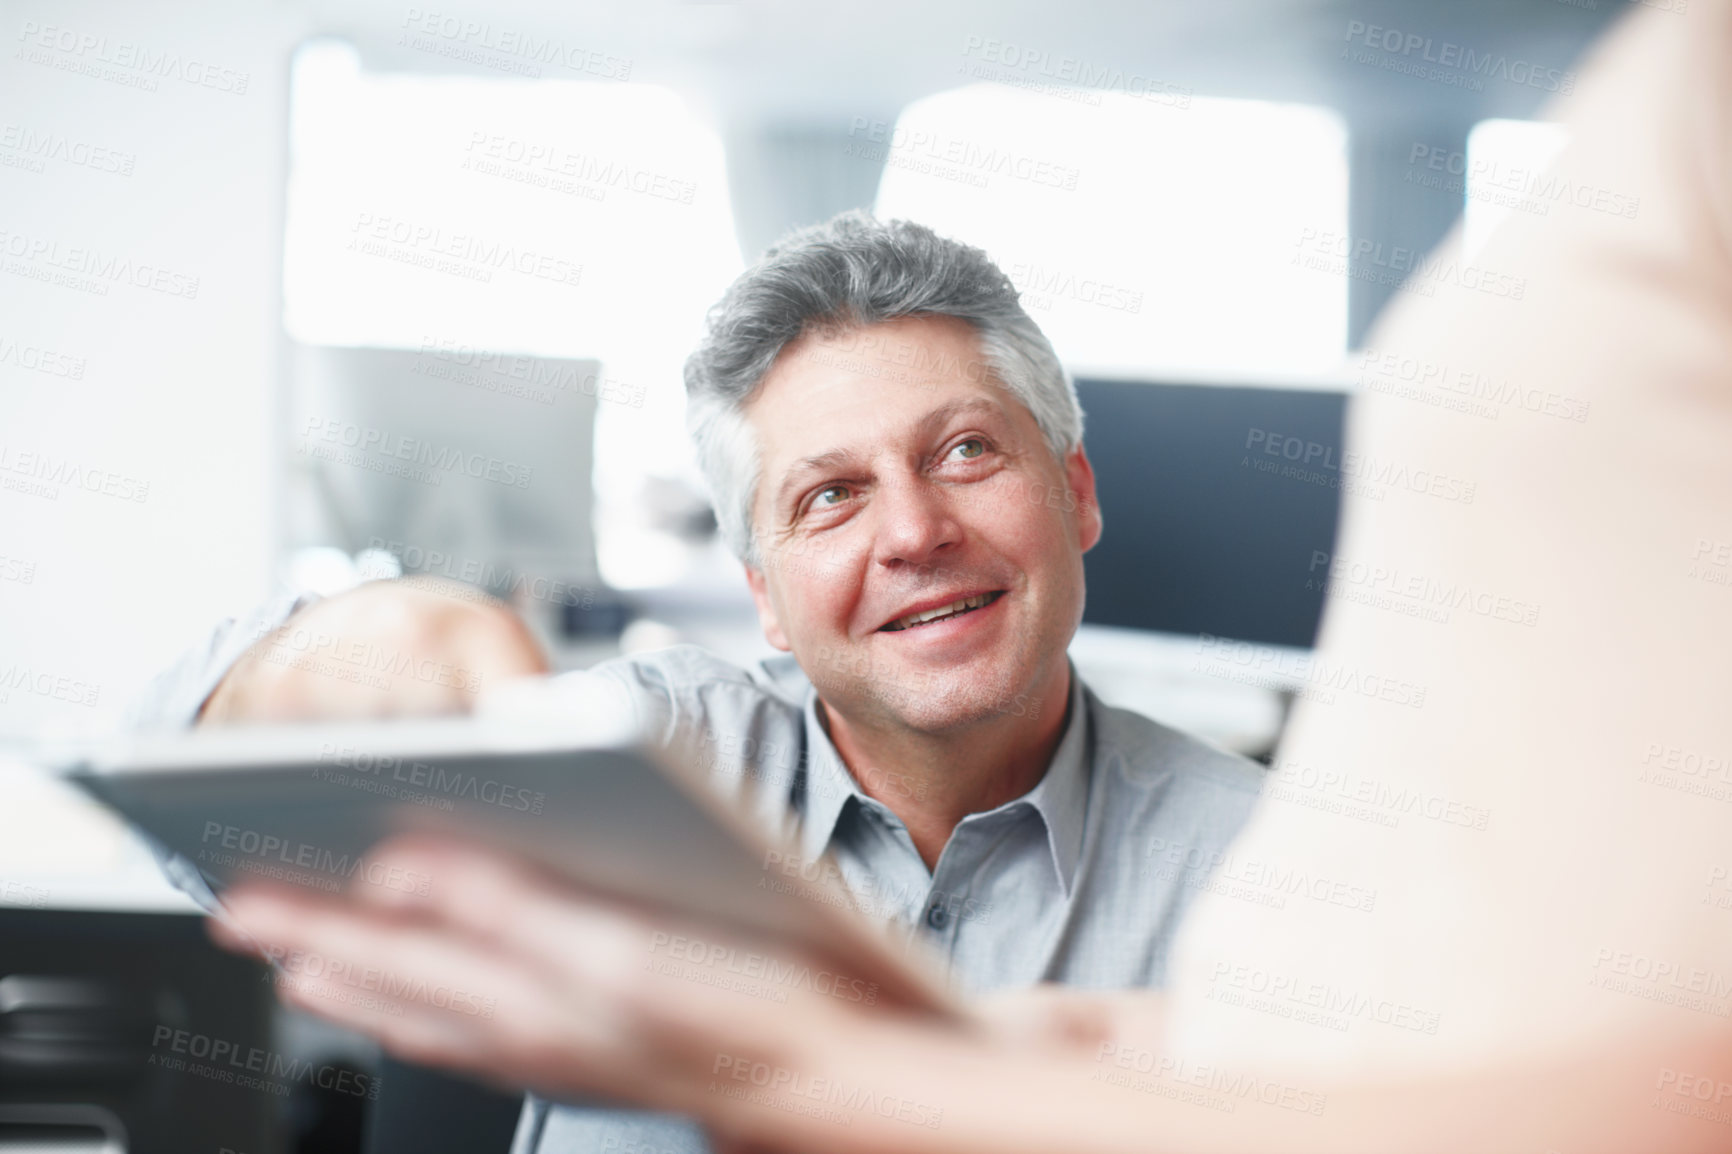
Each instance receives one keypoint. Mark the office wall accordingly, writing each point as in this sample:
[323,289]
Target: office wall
[141,183]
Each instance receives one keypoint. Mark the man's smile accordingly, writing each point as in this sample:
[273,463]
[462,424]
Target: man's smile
[929,612]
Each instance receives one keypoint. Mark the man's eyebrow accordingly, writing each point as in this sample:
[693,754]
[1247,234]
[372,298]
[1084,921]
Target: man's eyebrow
[817,463]
[958,408]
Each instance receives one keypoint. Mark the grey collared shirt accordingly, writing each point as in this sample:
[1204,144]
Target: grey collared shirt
[1082,880]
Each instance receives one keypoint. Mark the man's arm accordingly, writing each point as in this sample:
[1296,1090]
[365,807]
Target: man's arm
[382,649]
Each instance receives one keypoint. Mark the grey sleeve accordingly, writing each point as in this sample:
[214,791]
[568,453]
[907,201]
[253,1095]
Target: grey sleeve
[174,697]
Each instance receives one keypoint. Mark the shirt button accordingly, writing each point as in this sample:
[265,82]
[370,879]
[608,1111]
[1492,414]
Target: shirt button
[937,917]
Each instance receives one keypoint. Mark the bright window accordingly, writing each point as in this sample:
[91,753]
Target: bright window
[1506,161]
[611,200]
[1147,236]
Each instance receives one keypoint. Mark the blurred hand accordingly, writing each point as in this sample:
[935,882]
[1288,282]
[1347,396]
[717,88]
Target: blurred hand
[383,649]
[518,979]
[506,974]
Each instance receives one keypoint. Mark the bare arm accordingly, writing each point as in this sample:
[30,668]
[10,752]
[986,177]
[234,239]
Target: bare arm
[572,1002]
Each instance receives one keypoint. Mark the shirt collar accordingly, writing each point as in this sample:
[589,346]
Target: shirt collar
[1060,797]
[828,786]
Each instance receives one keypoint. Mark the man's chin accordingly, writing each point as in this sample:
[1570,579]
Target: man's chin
[954,700]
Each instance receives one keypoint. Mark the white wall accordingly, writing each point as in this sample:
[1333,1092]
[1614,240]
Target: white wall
[162,394]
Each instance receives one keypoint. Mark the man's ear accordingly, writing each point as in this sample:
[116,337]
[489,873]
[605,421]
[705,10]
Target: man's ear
[1080,477]
[766,610]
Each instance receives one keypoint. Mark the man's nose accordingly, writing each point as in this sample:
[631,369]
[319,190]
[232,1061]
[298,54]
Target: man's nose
[915,522]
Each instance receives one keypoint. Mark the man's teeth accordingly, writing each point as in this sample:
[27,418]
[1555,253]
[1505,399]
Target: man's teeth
[950,610]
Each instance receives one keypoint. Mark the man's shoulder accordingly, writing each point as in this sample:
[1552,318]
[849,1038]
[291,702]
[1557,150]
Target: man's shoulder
[686,673]
[1148,753]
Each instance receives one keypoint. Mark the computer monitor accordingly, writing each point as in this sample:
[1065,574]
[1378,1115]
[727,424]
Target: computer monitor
[463,463]
[1220,505]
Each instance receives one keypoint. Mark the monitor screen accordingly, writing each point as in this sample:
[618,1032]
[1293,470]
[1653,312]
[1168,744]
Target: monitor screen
[1220,507]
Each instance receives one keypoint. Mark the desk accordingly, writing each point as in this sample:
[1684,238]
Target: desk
[60,850]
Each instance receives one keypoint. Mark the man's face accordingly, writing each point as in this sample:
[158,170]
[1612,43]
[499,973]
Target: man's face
[899,479]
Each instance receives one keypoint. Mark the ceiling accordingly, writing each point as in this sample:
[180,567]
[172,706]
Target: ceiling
[788,62]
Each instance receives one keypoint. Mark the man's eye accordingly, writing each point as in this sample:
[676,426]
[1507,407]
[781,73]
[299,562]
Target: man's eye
[829,495]
[969,449]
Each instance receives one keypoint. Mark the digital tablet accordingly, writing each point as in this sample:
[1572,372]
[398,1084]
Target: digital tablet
[305,804]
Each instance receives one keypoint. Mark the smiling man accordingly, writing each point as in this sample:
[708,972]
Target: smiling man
[934,618]
[896,455]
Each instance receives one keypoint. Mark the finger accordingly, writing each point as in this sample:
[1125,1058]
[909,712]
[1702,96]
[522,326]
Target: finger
[503,900]
[443,999]
[333,948]
[609,956]
[420,991]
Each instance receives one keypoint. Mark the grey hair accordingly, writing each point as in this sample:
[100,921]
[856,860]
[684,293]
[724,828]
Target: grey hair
[851,272]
